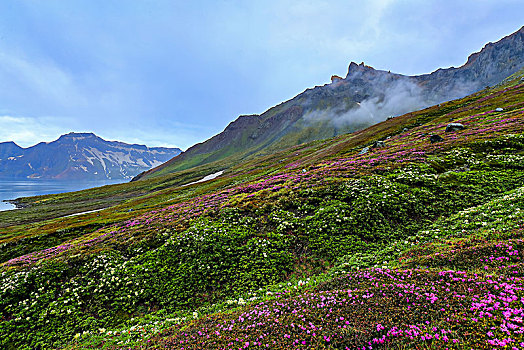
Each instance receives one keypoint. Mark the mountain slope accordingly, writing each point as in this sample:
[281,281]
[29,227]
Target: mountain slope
[80,156]
[417,238]
[364,97]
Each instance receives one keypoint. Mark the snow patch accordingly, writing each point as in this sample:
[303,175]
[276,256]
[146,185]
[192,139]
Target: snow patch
[206,178]
[82,213]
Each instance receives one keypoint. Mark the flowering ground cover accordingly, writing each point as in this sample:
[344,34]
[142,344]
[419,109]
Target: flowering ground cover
[411,245]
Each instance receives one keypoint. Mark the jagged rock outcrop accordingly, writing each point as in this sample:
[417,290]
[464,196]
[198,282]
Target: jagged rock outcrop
[80,156]
[336,78]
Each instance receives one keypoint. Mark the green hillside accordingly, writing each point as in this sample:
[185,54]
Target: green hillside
[333,244]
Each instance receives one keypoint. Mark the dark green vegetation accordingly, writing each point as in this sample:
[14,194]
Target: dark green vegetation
[414,244]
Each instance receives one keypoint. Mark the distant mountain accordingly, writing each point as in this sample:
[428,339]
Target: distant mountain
[80,156]
[364,97]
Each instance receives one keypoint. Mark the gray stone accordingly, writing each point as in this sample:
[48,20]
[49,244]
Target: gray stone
[499,109]
[364,150]
[379,144]
[454,127]
[435,138]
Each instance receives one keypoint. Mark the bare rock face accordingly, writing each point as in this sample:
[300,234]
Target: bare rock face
[80,156]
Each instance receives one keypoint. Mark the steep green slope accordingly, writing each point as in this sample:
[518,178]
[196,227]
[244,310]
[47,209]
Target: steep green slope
[305,217]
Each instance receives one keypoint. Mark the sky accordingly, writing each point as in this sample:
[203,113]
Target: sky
[174,73]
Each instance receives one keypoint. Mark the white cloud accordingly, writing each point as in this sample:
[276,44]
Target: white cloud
[28,131]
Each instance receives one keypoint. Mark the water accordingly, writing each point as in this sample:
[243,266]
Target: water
[12,189]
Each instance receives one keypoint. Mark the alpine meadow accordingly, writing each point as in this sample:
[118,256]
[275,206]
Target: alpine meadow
[379,211]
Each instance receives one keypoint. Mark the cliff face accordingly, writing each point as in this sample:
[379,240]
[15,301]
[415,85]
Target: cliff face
[364,97]
[80,156]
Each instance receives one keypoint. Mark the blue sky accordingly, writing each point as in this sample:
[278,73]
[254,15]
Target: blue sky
[174,73]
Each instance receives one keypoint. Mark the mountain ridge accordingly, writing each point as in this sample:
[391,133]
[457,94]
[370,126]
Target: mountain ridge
[364,97]
[80,156]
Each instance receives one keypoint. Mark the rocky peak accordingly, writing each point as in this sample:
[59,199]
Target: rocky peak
[9,144]
[358,68]
[9,149]
[336,78]
[78,135]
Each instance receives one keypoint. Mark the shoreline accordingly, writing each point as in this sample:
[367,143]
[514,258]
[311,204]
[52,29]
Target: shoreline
[13,202]
[16,203]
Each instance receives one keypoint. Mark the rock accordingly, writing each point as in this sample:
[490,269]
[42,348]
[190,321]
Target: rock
[405,129]
[451,119]
[304,170]
[387,138]
[364,150]
[499,109]
[454,127]
[336,78]
[379,144]
[435,138]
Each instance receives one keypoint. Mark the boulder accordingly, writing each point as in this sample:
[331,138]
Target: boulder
[454,127]
[364,150]
[435,138]
[379,144]
[499,109]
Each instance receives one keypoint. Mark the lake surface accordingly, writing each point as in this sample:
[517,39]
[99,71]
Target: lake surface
[12,189]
